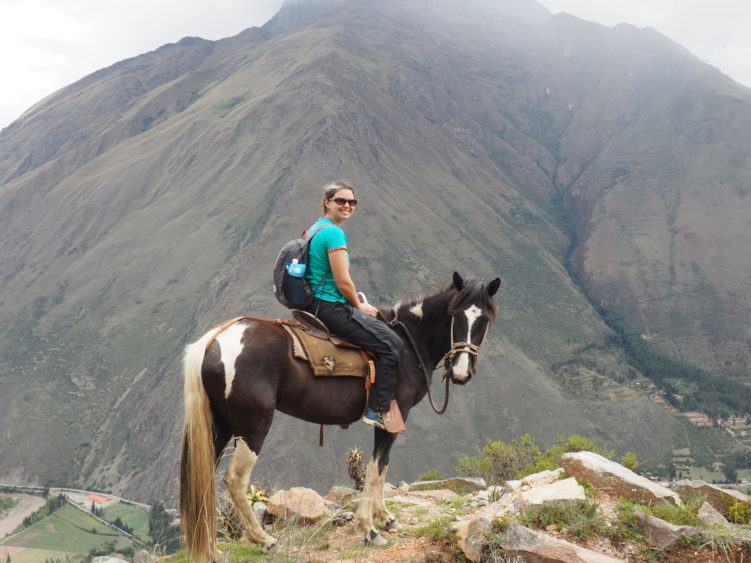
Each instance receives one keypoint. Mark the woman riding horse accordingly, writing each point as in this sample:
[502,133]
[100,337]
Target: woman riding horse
[236,377]
[336,302]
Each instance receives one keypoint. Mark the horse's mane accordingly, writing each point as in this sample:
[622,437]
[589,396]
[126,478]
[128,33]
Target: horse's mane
[472,290]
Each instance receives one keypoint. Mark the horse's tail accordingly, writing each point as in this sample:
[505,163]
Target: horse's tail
[197,461]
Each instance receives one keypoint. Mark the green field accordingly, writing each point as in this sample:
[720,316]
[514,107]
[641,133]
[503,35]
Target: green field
[69,530]
[134,516]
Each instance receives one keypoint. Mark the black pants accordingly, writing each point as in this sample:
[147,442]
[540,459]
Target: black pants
[371,334]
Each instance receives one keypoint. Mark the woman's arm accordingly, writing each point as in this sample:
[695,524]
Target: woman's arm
[340,269]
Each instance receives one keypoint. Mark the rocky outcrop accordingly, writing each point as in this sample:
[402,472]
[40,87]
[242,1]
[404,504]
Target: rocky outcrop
[614,479]
[530,545]
[297,503]
[719,498]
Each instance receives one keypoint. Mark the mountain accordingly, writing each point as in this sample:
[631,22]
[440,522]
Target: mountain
[601,172]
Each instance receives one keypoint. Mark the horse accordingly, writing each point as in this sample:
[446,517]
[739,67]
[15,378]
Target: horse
[233,386]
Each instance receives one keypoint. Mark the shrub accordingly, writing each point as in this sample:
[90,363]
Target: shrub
[739,512]
[498,461]
[581,519]
[630,461]
[686,515]
[432,475]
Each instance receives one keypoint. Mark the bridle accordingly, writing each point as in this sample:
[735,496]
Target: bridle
[456,348]
[459,347]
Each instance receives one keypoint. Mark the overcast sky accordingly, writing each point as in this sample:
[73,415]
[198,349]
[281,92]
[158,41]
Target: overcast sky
[47,44]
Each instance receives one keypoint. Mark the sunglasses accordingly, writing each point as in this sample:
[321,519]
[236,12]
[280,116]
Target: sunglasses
[340,201]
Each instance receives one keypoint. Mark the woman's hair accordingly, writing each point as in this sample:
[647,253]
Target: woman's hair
[330,191]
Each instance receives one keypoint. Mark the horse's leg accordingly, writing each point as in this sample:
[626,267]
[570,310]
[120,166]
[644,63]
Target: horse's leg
[236,480]
[371,499]
[382,518]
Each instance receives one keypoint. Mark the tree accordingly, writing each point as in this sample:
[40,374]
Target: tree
[162,532]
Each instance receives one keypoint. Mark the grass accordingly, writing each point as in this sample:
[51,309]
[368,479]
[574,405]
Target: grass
[580,519]
[67,529]
[134,516]
[439,529]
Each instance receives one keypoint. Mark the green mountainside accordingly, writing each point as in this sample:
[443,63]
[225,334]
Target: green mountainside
[599,171]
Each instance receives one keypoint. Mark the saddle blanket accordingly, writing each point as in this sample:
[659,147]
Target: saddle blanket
[326,359]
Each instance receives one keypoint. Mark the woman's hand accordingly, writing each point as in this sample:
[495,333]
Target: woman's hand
[368,310]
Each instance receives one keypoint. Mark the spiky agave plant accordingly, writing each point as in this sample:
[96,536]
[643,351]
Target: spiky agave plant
[355,467]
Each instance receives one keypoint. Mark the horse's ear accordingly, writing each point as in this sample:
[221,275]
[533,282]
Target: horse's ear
[493,286]
[458,281]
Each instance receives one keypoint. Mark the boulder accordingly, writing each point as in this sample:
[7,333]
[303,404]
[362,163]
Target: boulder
[558,491]
[711,517]
[142,556]
[614,479]
[531,545]
[717,497]
[659,533]
[459,485]
[341,495]
[298,503]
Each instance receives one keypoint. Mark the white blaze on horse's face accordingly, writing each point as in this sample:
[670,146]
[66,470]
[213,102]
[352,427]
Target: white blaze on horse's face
[461,364]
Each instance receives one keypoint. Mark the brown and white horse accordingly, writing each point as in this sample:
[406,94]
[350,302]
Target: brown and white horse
[249,371]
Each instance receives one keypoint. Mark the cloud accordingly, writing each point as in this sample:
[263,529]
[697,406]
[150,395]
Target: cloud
[47,44]
[716,32]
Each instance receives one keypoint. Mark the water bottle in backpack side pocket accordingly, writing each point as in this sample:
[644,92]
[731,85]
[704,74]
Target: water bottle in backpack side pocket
[295,289]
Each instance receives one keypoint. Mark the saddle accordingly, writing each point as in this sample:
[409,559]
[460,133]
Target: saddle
[327,354]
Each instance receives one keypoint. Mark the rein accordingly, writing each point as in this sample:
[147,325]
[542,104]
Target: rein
[421,365]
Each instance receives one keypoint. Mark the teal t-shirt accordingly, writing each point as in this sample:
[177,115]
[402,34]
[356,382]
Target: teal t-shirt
[318,273]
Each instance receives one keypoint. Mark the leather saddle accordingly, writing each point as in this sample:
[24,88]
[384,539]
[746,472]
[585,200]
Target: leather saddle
[327,354]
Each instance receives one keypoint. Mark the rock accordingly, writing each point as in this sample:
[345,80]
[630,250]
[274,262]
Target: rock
[297,503]
[341,495]
[543,477]
[403,487]
[718,498]
[108,559]
[472,530]
[459,485]
[514,486]
[471,535]
[389,489]
[530,545]
[711,517]
[260,509]
[659,533]
[615,479]
[442,494]
[559,491]
[342,518]
[142,556]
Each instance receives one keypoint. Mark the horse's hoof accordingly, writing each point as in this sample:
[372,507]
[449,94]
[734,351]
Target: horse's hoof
[393,524]
[269,546]
[374,539]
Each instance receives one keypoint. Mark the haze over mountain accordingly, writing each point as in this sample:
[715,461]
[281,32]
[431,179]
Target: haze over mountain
[145,203]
